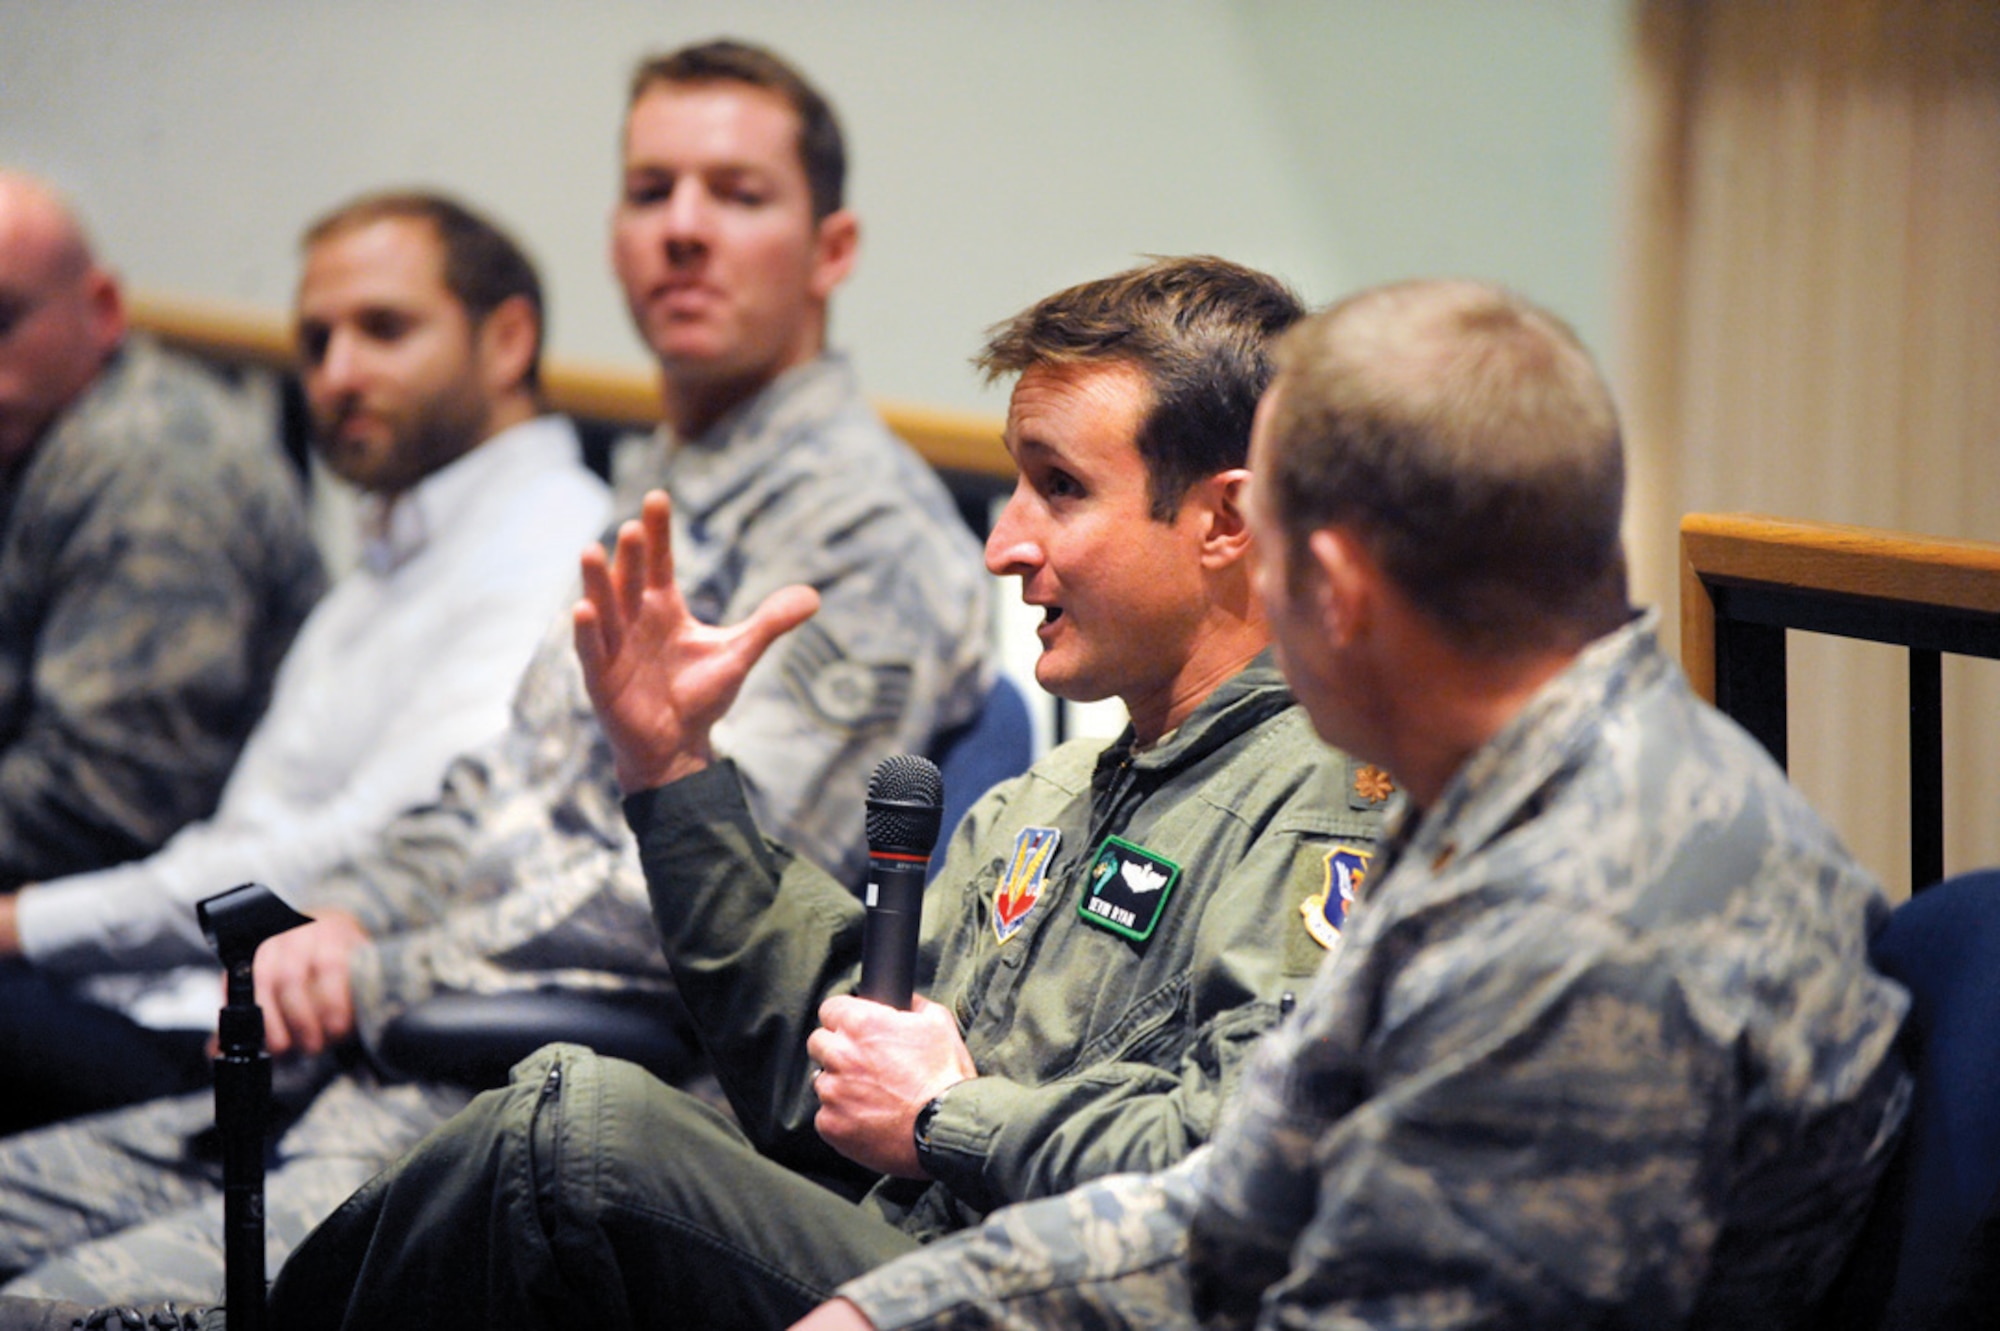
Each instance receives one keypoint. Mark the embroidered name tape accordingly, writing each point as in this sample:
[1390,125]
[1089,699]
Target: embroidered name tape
[1128,889]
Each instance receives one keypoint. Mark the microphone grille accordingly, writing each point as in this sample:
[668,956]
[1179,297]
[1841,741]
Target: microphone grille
[905,803]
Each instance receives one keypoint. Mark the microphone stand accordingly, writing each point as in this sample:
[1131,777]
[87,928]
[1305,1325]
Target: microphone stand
[236,922]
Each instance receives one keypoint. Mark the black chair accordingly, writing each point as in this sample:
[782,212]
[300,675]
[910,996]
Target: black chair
[1929,1254]
[473,1039]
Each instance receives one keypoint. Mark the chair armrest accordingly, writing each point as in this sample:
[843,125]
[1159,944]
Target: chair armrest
[473,1039]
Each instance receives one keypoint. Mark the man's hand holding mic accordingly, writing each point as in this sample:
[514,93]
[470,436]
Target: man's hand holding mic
[660,678]
[878,1066]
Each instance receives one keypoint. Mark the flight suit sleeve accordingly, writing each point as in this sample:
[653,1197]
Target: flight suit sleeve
[757,937]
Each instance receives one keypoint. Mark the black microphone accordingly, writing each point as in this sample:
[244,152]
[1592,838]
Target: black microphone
[905,805]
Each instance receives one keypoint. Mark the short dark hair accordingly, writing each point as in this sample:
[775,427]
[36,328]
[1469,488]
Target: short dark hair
[1467,435]
[822,150]
[1199,328]
[483,267]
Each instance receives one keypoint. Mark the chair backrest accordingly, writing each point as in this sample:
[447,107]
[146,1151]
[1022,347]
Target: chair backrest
[1929,1255]
[995,744]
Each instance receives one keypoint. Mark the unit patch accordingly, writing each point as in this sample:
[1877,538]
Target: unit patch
[1128,889]
[1325,911]
[1021,886]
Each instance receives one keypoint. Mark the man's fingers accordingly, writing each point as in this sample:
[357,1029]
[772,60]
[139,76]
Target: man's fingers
[602,604]
[628,576]
[656,515]
[782,611]
[587,630]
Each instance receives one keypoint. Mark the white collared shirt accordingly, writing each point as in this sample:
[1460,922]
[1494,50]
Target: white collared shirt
[410,660]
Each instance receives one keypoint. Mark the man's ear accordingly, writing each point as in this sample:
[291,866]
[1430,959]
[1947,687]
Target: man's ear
[507,341]
[1225,537]
[836,244]
[1344,591]
[107,309]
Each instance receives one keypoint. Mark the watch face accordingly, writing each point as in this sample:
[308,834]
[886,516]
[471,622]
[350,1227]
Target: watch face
[921,1129]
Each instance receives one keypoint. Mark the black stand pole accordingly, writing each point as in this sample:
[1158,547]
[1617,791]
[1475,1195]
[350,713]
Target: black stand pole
[242,1107]
[236,922]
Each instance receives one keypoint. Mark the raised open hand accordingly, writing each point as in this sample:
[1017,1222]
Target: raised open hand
[660,678]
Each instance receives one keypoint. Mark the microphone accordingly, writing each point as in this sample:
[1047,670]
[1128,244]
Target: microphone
[905,805]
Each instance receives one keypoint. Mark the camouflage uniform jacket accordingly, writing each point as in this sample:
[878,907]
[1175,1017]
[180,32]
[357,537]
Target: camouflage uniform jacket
[522,874]
[155,562]
[1097,1051]
[1601,1048]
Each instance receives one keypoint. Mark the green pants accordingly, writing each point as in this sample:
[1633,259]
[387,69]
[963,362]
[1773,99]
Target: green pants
[584,1193]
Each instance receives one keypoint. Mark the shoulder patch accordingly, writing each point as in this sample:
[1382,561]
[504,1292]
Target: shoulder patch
[1325,911]
[1126,889]
[1021,886]
[844,693]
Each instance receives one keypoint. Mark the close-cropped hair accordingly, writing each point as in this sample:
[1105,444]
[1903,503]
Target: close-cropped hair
[483,267]
[822,150]
[1199,328]
[1468,437]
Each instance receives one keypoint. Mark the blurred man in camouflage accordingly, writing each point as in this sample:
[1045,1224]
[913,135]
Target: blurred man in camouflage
[1106,939]
[154,563]
[729,238]
[420,333]
[1602,1047]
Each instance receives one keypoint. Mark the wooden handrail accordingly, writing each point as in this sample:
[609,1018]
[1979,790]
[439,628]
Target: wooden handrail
[1748,548]
[241,334]
[1746,580]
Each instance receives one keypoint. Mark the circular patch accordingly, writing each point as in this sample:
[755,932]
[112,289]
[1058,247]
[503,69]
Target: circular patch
[844,692]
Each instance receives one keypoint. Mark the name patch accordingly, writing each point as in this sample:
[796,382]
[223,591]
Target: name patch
[1128,889]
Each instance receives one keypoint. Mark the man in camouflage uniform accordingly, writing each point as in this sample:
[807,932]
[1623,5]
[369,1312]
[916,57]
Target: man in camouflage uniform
[522,874]
[1602,1046]
[1109,933]
[154,563]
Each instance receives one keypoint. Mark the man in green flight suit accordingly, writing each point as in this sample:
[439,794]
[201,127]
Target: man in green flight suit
[1109,935]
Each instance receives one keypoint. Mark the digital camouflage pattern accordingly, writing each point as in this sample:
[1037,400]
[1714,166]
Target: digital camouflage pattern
[155,562]
[130,1208]
[1601,1047]
[523,874]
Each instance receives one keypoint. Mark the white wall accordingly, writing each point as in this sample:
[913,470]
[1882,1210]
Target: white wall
[998,150]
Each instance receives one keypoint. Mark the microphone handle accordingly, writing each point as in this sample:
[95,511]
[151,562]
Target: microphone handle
[895,907]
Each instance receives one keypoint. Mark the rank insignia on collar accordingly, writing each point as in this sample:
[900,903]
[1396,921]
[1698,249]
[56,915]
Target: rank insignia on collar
[1325,911]
[1372,785]
[1128,887]
[1021,886]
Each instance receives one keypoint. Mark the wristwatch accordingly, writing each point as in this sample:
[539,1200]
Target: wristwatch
[920,1131]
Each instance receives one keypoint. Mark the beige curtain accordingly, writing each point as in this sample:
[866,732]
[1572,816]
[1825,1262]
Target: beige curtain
[1810,328]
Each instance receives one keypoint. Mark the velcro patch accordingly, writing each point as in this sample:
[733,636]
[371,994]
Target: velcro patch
[1325,912]
[1020,888]
[1128,887]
